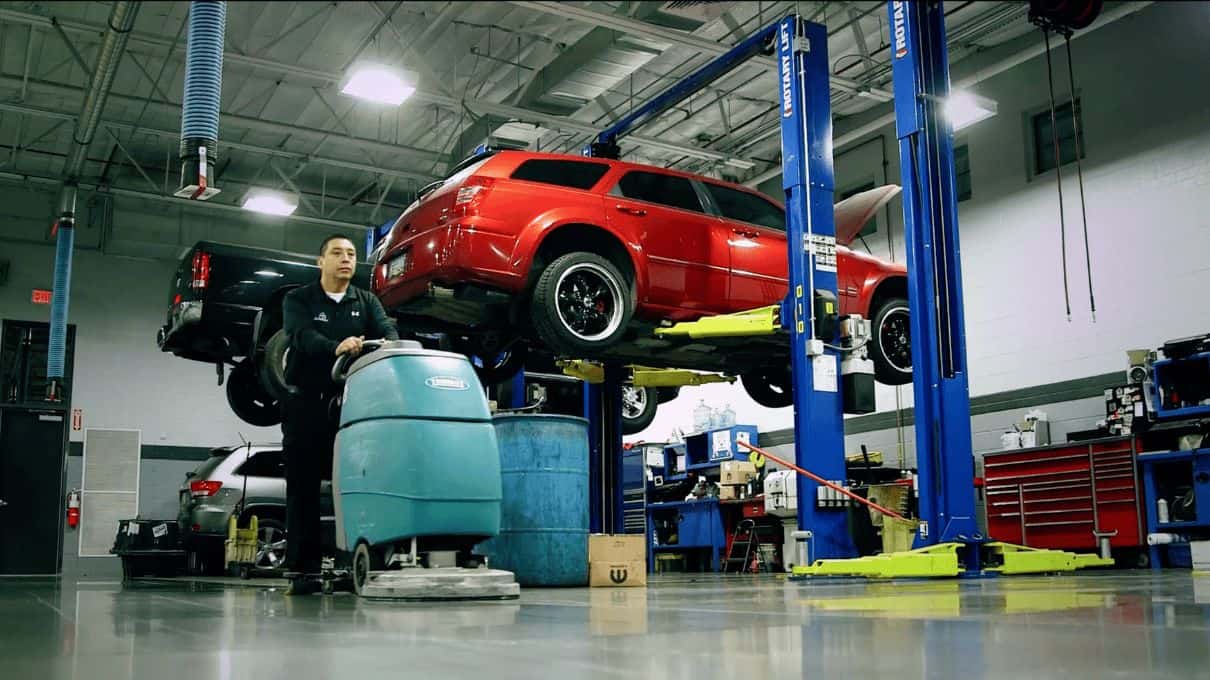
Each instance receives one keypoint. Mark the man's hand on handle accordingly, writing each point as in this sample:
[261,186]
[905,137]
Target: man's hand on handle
[350,345]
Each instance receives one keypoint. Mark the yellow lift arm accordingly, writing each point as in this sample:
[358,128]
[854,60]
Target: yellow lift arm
[643,376]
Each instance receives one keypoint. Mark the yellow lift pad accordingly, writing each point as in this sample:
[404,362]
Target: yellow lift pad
[643,376]
[1019,559]
[941,561]
[760,321]
[935,561]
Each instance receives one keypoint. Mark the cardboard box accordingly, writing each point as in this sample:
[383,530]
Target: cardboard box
[728,493]
[617,574]
[736,472]
[617,548]
[617,560]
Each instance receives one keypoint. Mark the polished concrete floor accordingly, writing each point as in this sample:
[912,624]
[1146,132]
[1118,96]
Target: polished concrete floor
[1103,625]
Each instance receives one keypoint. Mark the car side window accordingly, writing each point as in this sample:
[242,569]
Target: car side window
[264,464]
[655,187]
[745,207]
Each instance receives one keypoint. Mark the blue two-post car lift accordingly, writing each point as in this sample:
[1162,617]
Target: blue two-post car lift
[947,541]
[921,81]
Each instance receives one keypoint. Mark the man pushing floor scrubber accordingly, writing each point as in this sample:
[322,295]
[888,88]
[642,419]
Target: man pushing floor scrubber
[416,470]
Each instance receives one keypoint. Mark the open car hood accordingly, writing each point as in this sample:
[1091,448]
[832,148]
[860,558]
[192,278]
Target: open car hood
[853,212]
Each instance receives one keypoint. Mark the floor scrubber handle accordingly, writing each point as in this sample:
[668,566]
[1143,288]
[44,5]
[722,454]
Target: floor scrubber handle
[340,369]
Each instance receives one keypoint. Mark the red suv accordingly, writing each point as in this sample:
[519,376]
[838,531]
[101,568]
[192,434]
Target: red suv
[587,256]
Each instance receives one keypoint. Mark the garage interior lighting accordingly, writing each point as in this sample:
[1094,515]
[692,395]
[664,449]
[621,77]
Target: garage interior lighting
[966,108]
[377,83]
[740,163]
[270,202]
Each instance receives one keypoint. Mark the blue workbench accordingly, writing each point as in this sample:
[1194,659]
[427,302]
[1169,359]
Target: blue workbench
[699,527]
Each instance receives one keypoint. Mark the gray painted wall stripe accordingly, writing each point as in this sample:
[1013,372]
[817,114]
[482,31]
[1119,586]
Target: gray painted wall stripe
[156,452]
[1067,390]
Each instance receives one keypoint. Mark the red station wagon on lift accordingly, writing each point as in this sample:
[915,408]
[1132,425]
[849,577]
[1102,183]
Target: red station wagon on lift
[587,256]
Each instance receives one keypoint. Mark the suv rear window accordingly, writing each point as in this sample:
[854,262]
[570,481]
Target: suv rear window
[745,207]
[264,464]
[655,187]
[563,173]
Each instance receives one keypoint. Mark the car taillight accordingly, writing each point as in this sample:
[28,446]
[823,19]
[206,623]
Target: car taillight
[471,194]
[204,487]
[201,270]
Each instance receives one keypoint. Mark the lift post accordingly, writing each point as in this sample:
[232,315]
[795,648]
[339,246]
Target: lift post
[807,177]
[920,70]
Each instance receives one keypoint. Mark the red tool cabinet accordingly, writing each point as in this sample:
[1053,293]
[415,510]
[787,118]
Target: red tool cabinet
[1058,496]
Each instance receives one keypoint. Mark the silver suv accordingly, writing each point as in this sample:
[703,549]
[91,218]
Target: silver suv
[249,479]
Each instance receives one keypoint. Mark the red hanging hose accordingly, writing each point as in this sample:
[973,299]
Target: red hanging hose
[830,485]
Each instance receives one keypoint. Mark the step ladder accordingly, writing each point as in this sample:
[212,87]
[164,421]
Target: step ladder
[753,559]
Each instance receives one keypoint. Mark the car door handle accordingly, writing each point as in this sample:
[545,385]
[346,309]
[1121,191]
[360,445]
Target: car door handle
[639,212]
[748,233]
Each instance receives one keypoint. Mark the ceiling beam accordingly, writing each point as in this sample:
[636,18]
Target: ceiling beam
[667,35]
[250,148]
[179,202]
[444,101]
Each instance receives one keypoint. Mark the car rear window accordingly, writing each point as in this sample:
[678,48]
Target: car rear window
[656,187]
[563,173]
[745,207]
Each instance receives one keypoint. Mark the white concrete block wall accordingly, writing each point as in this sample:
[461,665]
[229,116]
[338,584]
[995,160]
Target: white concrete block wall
[1147,187]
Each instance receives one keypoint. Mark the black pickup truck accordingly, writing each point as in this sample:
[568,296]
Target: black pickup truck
[224,307]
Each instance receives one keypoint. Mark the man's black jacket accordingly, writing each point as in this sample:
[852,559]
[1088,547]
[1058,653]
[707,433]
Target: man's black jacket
[316,324]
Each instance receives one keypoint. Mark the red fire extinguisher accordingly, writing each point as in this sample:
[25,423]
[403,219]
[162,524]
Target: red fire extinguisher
[73,508]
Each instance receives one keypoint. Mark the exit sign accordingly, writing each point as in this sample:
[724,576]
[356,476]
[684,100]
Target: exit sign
[40,297]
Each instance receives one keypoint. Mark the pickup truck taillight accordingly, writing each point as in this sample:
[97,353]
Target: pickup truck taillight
[201,270]
[471,195]
[203,488]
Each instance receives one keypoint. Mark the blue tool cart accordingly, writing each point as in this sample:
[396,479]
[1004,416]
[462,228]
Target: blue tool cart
[1181,480]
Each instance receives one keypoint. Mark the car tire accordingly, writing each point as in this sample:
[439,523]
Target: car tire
[249,399]
[891,342]
[581,304]
[639,405]
[502,365]
[771,388]
[272,367]
[270,543]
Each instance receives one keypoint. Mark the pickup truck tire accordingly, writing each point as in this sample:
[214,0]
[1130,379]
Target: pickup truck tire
[581,304]
[272,368]
[496,367]
[891,342]
[639,405]
[771,388]
[249,399]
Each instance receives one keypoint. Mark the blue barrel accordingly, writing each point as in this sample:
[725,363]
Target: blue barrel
[543,536]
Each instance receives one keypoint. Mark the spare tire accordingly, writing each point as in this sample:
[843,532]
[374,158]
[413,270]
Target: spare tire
[272,368]
[249,399]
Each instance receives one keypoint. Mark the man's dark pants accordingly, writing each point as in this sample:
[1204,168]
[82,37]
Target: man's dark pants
[309,434]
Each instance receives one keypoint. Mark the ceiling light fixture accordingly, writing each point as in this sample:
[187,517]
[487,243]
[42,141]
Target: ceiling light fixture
[270,202]
[377,83]
[966,108]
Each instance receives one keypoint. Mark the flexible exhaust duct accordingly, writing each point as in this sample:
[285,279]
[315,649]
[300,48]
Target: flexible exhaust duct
[200,108]
[121,20]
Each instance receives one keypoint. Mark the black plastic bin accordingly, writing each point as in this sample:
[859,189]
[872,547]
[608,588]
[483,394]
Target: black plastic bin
[149,547]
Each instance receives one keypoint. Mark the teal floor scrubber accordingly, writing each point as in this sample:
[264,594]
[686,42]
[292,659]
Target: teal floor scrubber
[416,477]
